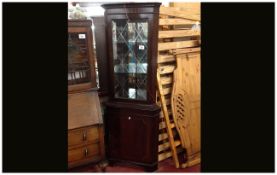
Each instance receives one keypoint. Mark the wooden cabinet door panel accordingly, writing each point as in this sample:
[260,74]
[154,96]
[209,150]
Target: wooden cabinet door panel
[133,137]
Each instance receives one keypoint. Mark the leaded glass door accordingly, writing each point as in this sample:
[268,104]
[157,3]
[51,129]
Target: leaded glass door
[130,59]
[78,59]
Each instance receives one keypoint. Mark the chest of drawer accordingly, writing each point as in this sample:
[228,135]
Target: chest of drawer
[82,153]
[83,136]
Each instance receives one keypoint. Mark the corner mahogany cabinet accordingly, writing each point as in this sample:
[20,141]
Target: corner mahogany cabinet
[85,125]
[132,116]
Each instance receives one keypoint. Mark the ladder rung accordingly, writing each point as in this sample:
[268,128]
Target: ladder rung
[163,136]
[167,91]
[166,69]
[164,155]
[163,146]
[166,80]
[166,145]
[162,125]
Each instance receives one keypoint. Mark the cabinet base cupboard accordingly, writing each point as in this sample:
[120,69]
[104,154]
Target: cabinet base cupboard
[133,134]
[132,116]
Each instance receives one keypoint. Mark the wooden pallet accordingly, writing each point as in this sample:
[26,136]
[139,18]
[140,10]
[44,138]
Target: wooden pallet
[175,36]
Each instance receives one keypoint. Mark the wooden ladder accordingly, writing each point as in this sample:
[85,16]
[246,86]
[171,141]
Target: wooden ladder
[170,43]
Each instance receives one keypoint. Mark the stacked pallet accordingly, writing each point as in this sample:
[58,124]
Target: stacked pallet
[177,35]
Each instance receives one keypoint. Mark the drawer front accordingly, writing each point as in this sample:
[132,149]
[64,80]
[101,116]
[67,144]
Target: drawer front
[86,152]
[83,136]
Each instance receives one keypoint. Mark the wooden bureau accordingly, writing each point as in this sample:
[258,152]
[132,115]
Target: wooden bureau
[85,124]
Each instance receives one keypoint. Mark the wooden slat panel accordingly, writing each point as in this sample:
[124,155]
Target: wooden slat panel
[162,125]
[167,102]
[166,69]
[166,145]
[177,45]
[168,154]
[163,136]
[165,155]
[166,80]
[189,6]
[171,11]
[176,21]
[167,91]
[186,50]
[163,146]
[178,33]
[165,58]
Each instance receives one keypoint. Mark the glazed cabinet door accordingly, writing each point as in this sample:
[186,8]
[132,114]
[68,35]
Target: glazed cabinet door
[130,46]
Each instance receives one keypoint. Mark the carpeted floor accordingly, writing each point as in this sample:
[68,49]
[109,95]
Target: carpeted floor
[164,166]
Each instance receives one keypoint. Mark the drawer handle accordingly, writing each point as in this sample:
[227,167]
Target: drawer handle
[129,118]
[85,136]
[86,152]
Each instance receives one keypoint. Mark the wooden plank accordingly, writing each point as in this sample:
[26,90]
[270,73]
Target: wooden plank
[186,50]
[194,8]
[166,91]
[163,136]
[162,125]
[168,154]
[177,45]
[166,69]
[165,58]
[166,145]
[165,155]
[171,11]
[166,80]
[163,146]
[176,21]
[178,33]
[167,101]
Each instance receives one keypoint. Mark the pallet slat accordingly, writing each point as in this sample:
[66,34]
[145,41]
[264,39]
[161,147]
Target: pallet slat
[162,125]
[167,102]
[165,58]
[177,45]
[163,136]
[186,50]
[176,21]
[176,12]
[168,154]
[166,80]
[165,155]
[167,91]
[166,145]
[178,33]
[166,69]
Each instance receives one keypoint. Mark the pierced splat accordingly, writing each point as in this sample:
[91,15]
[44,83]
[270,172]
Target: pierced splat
[185,103]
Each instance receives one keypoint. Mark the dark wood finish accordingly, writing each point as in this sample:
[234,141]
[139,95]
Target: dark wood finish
[85,124]
[84,27]
[136,12]
[132,125]
[101,54]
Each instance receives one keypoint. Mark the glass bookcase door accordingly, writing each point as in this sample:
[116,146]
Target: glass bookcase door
[130,39]
[78,59]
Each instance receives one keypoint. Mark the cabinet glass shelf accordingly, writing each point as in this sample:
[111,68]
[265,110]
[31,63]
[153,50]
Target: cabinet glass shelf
[130,62]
